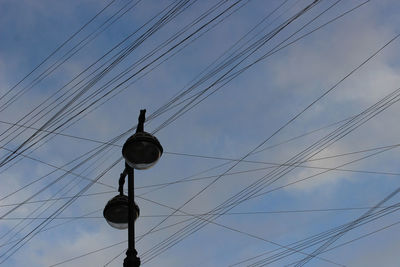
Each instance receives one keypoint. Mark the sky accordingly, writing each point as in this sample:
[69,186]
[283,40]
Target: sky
[293,101]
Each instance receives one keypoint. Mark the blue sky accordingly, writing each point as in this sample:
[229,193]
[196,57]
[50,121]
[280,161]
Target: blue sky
[229,124]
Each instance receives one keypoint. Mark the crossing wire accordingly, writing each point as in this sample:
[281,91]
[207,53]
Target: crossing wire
[200,214]
[50,184]
[57,49]
[364,62]
[127,38]
[100,75]
[59,191]
[69,54]
[162,185]
[385,211]
[43,224]
[331,21]
[318,238]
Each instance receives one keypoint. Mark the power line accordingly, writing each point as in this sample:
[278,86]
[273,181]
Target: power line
[200,214]
[317,238]
[58,48]
[216,179]
[391,101]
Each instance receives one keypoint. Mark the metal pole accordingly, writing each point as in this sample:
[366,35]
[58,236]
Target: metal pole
[131,259]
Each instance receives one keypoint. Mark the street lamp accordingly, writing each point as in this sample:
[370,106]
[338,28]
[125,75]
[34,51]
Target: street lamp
[140,151]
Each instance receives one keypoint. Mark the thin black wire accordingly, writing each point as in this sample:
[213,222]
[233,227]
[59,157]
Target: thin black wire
[143,68]
[201,214]
[267,39]
[320,173]
[58,198]
[276,49]
[301,180]
[57,49]
[176,153]
[218,224]
[330,209]
[234,230]
[100,75]
[177,215]
[149,55]
[230,77]
[43,224]
[127,38]
[318,238]
[334,238]
[59,191]
[101,148]
[207,70]
[230,168]
[102,249]
[361,65]
[70,53]
[338,136]
[312,176]
[56,167]
[51,227]
[189,178]
[115,47]
[36,128]
[280,187]
[113,245]
[240,57]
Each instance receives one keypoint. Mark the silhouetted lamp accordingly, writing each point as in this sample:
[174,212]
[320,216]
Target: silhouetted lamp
[116,212]
[141,151]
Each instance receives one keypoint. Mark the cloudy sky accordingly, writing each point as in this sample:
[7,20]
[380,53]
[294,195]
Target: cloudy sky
[278,121]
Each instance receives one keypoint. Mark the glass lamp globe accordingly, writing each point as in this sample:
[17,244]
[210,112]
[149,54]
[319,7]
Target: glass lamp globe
[116,212]
[142,150]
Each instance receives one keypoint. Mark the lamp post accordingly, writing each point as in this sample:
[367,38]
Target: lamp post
[140,151]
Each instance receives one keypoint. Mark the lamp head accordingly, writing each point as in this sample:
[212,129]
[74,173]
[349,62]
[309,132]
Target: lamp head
[142,150]
[116,212]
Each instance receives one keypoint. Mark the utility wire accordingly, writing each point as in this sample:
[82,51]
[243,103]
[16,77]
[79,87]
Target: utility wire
[200,214]
[335,87]
[70,53]
[215,180]
[57,49]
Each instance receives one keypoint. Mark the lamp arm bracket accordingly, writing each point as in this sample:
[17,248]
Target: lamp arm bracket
[122,182]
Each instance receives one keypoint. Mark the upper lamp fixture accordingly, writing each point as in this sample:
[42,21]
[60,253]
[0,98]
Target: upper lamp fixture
[142,150]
